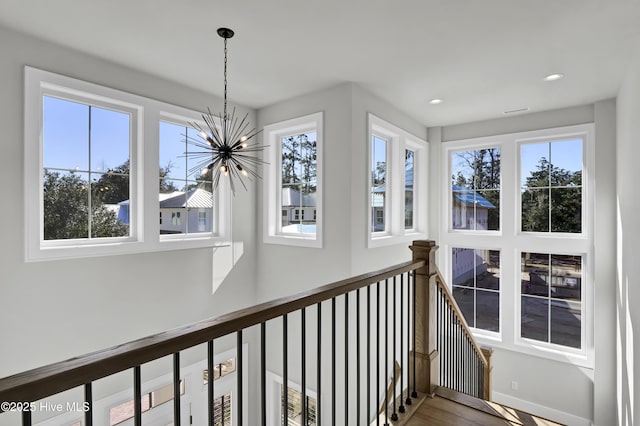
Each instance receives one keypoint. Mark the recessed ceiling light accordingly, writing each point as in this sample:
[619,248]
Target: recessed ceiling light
[553,77]
[435,101]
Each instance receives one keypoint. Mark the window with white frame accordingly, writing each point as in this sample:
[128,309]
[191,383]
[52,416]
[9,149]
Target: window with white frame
[529,266]
[397,182]
[293,181]
[86,176]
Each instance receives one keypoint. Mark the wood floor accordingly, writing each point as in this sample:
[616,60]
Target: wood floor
[449,408]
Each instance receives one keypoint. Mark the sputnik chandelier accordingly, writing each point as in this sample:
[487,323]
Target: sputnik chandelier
[225,151]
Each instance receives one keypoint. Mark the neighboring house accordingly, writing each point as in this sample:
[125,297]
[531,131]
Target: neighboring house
[180,212]
[297,208]
[470,209]
[378,194]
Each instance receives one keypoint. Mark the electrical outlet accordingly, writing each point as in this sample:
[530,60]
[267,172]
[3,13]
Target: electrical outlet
[514,385]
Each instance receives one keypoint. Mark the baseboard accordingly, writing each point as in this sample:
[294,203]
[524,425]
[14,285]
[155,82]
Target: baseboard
[540,410]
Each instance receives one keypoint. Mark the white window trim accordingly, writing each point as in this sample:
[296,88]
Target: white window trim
[510,241]
[273,135]
[145,234]
[398,140]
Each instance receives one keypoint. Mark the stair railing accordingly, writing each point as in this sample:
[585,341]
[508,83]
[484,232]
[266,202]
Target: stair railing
[385,316]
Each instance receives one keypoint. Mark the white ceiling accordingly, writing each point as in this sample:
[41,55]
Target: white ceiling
[482,57]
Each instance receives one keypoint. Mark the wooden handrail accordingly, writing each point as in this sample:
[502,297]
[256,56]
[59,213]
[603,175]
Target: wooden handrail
[32,385]
[459,315]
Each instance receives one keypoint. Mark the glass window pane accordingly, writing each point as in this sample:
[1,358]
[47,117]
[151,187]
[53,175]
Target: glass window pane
[462,208]
[65,134]
[463,271]
[566,210]
[299,183]
[566,318]
[535,210]
[199,210]
[534,165]
[66,205]
[110,208]
[110,140]
[487,209]
[534,321]
[173,162]
[566,277]
[488,310]
[475,179]
[409,175]
[566,158]
[488,271]
[465,299]
[535,274]
[378,184]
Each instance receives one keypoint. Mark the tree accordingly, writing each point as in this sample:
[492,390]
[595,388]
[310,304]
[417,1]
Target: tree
[552,200]
[299,167]
[66,210]
[113,186]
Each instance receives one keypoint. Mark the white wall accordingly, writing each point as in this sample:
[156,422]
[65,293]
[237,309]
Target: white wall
[51,311]
[628,229]
[559,390]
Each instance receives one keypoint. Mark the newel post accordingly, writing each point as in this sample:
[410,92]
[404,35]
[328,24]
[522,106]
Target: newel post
[427,358]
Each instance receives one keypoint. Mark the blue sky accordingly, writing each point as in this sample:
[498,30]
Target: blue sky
[566,154]
[67,141]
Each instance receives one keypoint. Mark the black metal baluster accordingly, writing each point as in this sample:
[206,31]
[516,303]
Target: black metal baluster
[239,376]
[346,359]
[414,393]
[303,350]
[88,401]
[222,400]
[319,366]
[409,305]
[263,372]
[26,417]
[368,354]
[176,389]
[401,407]
[137,396]
[211,401]
[285,372]
[386,351]
[377,351]
[394,415]
[358,384]
[333,361]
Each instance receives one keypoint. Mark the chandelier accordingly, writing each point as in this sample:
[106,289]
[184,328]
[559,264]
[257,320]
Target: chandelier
[227,150]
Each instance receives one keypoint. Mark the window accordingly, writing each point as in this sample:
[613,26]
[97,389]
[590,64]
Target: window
[86,175]
[397,175]
[86,155]
[294,408]
[551,181]
[476,286]
[293,181]
[475,189]
[551,308]
[379,193]
[125,411]
[409,177]
[222,410]
[519,239]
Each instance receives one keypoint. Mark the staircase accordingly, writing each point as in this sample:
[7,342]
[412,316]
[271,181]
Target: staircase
[387,347]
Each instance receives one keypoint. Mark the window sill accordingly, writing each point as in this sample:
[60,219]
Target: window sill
[79,251]
[577,358]
[389,240]
[294,240]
